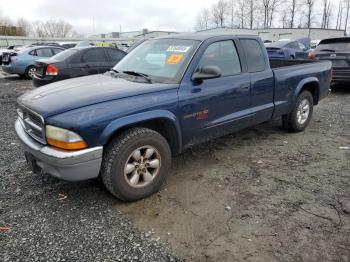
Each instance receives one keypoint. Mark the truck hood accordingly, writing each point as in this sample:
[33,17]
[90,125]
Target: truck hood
[74,93]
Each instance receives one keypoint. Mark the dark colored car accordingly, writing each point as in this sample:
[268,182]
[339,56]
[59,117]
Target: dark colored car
[286,49]
[336,50]
[75,62]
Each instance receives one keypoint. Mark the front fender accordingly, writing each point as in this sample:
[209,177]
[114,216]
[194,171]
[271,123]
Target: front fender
[123,122]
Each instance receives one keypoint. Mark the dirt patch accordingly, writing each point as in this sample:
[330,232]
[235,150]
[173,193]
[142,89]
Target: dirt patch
[259,195]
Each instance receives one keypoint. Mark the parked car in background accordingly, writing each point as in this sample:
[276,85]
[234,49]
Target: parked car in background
[287,49]
[336,50]
[75,62]
[314,43]
[11,48]
[22,62]
[67,45]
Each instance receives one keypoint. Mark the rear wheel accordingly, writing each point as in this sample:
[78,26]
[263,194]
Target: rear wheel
[136,164]
[30,71]
[301,115]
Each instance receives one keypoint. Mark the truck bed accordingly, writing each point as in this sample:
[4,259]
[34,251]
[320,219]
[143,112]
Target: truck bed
[291,74]
[278,63]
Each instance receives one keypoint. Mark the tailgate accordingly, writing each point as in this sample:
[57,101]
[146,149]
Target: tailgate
[337,59]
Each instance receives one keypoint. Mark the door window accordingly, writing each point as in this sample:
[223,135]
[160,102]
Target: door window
[254,55]
[224,55]
[44,52]
[56,51]
[95,55]
[115,54]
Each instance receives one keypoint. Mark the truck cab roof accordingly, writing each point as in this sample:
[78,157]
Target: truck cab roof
[204,36]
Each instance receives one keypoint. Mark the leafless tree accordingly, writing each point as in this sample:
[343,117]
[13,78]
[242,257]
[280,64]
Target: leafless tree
[284,18]
[273,7]
[202,19]
[241,13]
[293,11]
[219,13]
[309,12]
[24,26]
[269,10]
[251,12]
[326,13]
[52,28]
[340,15]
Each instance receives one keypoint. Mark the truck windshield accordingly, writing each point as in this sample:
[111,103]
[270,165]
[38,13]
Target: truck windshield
[160,59]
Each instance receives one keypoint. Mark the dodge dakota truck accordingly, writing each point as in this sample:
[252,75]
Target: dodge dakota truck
[166,95]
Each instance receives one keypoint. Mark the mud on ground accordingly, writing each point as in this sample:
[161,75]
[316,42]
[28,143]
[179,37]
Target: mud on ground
[262,194]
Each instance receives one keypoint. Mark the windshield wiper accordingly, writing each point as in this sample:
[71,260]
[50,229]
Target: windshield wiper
[327,50]
[144,76]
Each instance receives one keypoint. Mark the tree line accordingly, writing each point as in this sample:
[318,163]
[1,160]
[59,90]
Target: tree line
[253,14]
[22,27]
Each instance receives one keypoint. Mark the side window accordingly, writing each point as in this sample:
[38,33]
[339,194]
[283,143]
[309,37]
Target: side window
[33,53]
[224,55]
[302,47]
[293,45]
[254,54]
[115,54]
[55,51]
[94,56]
[44,52]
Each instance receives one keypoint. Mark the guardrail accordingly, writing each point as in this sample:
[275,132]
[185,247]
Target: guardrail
[6,41]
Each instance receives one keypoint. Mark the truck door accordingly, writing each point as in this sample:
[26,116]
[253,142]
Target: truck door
[213,107]
[262,81]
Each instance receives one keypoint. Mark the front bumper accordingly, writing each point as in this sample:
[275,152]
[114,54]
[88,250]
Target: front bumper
[70,166]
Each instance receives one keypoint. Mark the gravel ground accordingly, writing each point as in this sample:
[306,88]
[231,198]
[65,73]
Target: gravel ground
[262,194]
[51,220]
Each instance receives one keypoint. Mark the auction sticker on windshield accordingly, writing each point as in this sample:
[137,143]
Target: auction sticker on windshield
[179,48]
[174,59]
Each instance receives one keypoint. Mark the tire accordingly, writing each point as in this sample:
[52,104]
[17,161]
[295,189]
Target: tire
[300,117]
[120,157]
[29,71]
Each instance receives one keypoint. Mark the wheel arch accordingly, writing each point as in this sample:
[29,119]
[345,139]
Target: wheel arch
[161,121]
[310,84]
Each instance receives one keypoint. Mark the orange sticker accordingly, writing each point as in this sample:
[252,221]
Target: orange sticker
[174,59]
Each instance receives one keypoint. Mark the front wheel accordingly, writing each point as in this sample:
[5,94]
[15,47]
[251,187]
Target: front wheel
[135,164]
[301,115]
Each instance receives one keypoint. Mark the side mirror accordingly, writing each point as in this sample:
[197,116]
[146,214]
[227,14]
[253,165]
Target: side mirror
[207,72]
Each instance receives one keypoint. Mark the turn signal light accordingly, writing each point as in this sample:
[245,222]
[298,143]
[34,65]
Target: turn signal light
[67,145]
[51,70]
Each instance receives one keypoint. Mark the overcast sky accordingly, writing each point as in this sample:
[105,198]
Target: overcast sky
[108,15]
[103,16]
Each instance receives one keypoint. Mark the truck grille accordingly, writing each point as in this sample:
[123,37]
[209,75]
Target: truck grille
[32,123]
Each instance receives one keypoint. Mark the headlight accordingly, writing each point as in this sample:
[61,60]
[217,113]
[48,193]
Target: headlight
[63,138]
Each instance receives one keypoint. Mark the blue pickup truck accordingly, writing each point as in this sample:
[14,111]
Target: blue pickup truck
[166,95]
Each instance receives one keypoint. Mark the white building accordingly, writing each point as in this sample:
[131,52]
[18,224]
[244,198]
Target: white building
[275,34]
